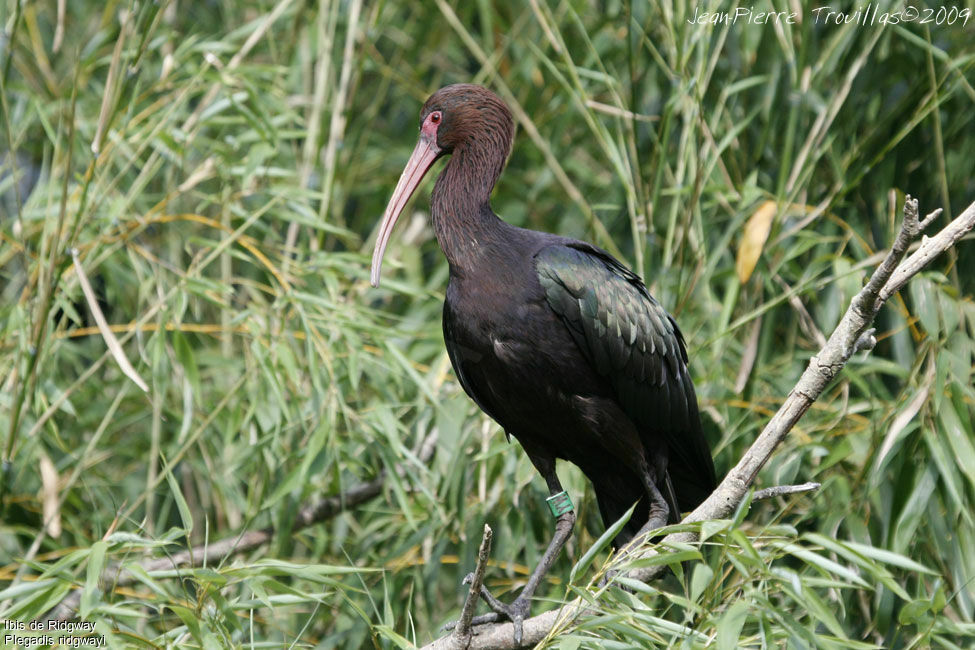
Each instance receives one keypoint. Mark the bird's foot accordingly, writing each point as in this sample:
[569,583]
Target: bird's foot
[607,578]
[657,520]
[516,612]
[520,609]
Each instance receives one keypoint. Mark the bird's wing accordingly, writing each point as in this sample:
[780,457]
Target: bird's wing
[633,342]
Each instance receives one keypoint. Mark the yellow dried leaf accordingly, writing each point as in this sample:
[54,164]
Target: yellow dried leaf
[753,239]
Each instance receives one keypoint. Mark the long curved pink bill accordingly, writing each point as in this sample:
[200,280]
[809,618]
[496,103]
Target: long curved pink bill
[416,168]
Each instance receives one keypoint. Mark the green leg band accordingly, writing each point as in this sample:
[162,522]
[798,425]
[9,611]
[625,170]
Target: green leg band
[559,503]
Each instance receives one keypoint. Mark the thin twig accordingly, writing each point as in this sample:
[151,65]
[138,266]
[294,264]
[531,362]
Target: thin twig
[850,335]
[782,490]
[462,633]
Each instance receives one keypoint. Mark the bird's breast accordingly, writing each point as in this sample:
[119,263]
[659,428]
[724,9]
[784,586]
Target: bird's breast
[511,353]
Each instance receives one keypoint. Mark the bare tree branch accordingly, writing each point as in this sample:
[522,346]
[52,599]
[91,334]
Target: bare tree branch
[850,336]
[216,552]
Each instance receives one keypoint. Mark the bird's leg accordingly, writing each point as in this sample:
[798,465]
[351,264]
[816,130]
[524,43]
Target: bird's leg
[565,519]
[659,510]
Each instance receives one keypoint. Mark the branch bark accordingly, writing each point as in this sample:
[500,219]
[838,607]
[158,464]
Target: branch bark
[851,335]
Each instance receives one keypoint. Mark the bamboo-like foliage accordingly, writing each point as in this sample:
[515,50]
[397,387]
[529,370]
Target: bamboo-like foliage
[217,169]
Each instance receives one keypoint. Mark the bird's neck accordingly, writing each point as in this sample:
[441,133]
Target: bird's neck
[466,227]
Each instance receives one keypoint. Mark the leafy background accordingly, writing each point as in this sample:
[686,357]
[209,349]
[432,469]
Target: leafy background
[219,168]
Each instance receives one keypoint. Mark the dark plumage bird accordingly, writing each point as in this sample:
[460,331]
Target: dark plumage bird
[554,338]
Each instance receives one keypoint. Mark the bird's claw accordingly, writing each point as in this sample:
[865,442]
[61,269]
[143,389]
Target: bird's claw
[516,612]
[480,619]
[607,578]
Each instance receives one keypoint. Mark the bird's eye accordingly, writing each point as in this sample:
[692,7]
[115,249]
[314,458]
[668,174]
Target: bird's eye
[435,117]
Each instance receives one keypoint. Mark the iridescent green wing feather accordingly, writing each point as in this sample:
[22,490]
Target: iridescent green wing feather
[633,342]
